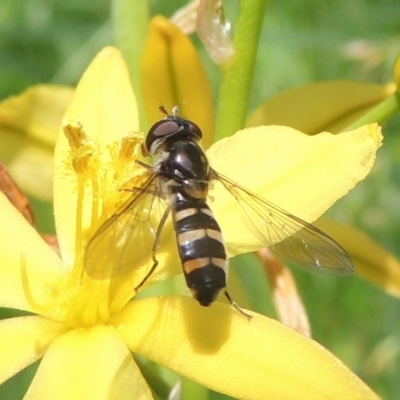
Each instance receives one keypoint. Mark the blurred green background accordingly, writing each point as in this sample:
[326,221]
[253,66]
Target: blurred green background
[48,41]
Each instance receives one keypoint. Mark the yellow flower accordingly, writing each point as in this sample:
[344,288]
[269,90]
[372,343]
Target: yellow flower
[85,325]
[29,126]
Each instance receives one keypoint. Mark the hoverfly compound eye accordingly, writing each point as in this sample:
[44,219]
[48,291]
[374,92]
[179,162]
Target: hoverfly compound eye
[171,125]
[195,129]
[160,130]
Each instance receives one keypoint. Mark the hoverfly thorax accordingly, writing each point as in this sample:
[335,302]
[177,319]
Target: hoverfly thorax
[174,145]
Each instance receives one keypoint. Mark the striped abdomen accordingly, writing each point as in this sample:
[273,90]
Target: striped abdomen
[201,248]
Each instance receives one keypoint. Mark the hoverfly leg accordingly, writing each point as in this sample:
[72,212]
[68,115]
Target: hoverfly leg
[155,247]
[144,165]
[234,305]
[152,269]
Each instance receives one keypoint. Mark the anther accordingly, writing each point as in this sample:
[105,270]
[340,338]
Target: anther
[82,149]
[129,144]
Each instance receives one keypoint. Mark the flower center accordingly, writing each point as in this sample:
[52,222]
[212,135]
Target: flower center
[94,291]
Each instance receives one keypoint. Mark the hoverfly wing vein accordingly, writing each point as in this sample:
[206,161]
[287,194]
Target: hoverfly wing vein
[289,237]
[113,248]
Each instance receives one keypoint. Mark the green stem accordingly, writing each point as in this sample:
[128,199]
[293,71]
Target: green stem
[130,20]
[381,113]
[192,391]
[235,88]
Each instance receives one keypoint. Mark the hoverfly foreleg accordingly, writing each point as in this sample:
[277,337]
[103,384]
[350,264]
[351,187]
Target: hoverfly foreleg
[234,305]
[155,247]
[144,165]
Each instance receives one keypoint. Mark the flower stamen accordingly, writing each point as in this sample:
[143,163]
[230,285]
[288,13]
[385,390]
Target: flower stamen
[27,290]
[82,148]
[78,228]
[129,144]
[41,308]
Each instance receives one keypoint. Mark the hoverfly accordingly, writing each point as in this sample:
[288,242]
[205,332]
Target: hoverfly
[181,177]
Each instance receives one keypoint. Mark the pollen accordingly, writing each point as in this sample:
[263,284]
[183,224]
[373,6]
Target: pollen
[74,132]
[129,146]
[82,148]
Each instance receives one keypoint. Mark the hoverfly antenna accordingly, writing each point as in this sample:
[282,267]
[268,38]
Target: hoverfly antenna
[163,110]
[175,111]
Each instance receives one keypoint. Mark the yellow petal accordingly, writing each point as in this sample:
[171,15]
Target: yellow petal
[45,271]
[104,100]
[24,340]
[29,162]
[29,125]
[321,106]
[106,106]
[371,260]
[37,112]
[222,350]
[172,74]
[302,174]
[88,364]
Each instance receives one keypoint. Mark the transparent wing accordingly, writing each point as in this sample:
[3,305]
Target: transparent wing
[125,240]
[299,242]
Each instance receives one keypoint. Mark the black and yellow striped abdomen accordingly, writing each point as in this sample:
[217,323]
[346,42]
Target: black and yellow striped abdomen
[201,247]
